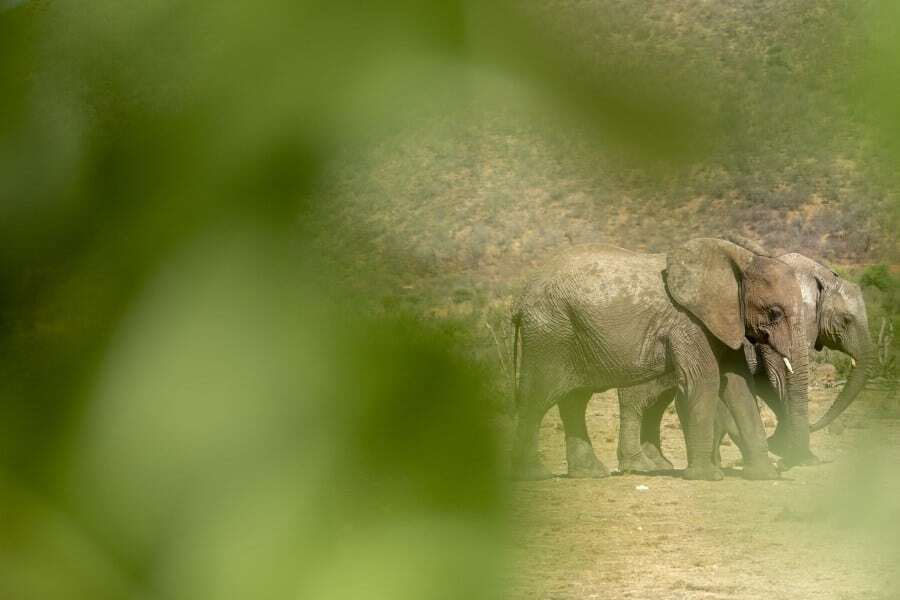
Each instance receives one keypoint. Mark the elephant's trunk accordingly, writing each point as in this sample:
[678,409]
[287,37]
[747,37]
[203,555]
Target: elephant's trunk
[791,440]
[797,404]
[855,384]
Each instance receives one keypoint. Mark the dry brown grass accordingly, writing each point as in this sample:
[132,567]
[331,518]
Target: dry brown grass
[736,539]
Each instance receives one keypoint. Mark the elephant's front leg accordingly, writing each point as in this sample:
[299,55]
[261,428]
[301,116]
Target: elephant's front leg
[780,443]
[580,457]
[697,411]
[697,379]
[738,396]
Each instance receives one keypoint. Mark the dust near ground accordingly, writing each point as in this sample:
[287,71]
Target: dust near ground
[797,538]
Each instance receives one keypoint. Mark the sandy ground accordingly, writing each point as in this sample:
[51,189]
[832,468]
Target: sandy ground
[825,532]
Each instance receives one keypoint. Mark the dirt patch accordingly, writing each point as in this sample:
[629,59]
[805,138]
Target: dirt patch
[642,537]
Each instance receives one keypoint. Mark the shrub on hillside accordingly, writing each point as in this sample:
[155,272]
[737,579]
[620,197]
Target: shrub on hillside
[882,292]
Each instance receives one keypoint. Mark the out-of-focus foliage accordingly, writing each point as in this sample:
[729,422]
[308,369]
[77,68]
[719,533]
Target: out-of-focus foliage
[863,503]
[191,407]
[245,438]
[215,215]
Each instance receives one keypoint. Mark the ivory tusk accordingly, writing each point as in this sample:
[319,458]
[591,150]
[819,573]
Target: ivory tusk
[852,362]
[787,363]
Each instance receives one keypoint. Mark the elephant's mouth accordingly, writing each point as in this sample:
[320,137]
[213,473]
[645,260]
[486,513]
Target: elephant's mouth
[776,356]
[776,366]
[768,351]
[769,343]
[754,349]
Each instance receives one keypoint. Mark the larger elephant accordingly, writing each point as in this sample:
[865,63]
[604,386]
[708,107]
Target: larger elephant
[834,316]
[600,317]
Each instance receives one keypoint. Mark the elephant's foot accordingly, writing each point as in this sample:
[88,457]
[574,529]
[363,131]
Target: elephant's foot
[639,463]
[760,470]
[654,454]
[582,462]
[810,460]
[531,471]
[804,459]
[597,471]
[704,473]
[779,445]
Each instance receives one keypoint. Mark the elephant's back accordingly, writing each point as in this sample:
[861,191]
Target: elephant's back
[598,276]
[601,256]
[613,269]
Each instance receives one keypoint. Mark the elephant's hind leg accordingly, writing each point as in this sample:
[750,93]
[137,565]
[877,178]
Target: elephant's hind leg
[631,405]
[580,456]
[526,462]
[535,399]
[725,425]
[651,424]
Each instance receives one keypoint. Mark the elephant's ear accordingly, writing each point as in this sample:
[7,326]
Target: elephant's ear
[703,276]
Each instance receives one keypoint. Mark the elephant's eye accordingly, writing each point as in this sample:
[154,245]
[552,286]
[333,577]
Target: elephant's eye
[775,314]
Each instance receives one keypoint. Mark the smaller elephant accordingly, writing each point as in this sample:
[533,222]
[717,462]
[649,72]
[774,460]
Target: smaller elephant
[834,315]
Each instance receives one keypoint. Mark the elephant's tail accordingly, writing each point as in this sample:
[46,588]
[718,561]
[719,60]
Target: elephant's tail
[517,342]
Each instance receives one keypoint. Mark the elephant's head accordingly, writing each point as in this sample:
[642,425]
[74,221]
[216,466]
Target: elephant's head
[743,297]
[836,319]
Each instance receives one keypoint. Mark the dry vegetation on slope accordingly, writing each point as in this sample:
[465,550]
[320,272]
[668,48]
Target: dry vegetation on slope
[455,208]
[497,183]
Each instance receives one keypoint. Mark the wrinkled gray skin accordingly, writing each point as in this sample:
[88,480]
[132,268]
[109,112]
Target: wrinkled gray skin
[600,317]
[834,316]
